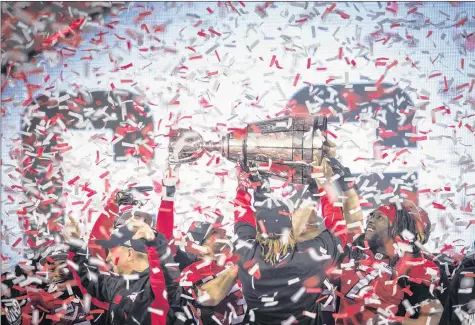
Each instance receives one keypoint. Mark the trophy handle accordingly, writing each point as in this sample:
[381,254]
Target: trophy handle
[321,123]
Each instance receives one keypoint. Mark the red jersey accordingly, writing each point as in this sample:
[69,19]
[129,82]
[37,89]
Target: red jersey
[230,311]
[372,286]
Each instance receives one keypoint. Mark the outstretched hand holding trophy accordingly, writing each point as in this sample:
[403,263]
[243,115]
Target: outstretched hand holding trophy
[342,186]
[126,197]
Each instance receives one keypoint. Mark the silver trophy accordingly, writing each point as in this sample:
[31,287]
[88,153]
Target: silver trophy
[288,141]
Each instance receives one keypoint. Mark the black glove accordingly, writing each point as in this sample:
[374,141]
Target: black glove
[313,188]
[257,177]
[339,169]
[125,198]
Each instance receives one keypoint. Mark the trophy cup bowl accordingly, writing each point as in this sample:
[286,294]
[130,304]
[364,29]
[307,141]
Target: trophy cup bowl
[286,141]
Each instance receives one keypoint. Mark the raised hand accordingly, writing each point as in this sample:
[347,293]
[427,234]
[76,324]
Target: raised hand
[342,171]
[170,178]
[141,229]
[325,172]
[125,198]
[71,230]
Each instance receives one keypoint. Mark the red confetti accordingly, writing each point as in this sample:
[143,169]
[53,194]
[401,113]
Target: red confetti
[392,64]
[144,26]
[74,180]
[209,10]
[343,15]
[126,66]
[415,139]
[16,242]
[117,298]
[297,77]
[438,206]
[462,86]
[461,22]
[394,11]
[413,10]
[446,84]
[471,222]
[328,10]
[214,32]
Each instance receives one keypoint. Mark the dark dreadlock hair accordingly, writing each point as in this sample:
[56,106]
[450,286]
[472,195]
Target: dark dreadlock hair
[403,221]
[279,238]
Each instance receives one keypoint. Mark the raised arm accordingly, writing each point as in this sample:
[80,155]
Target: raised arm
[214,291]
[353,214]
[156,245]
[100,286]
[166,215]
[103,225]
[244,218]
[351,204]
[171,273]
[333,217]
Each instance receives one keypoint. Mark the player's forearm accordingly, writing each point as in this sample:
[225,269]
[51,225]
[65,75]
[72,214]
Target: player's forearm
[423,320]
[166,218]
[352,213]
[430,314]
[218,288]
[243,211]
[304,224]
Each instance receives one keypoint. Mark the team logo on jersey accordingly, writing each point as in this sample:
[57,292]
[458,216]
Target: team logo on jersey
[13,312]
[134,296]
[128,243]
[378,256]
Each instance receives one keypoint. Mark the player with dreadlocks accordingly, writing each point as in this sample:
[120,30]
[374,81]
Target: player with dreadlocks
[282,266]
[384,277]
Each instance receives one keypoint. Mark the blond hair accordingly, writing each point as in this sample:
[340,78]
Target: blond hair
[273,246]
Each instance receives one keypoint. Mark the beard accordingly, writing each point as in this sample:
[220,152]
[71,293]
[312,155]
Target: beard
[376,241]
